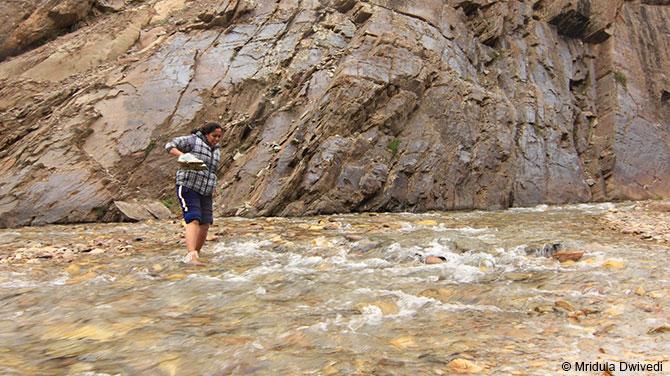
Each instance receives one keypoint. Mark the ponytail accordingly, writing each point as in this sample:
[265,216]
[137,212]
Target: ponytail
[207,128]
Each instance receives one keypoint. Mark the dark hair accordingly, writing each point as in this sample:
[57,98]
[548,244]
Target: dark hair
[208,128]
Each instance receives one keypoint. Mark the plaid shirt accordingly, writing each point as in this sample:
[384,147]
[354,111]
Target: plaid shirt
[204,181]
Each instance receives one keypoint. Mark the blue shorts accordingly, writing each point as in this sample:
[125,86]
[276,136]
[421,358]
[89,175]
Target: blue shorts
[196,207]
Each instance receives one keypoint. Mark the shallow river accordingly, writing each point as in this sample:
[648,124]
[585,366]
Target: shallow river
[344,295]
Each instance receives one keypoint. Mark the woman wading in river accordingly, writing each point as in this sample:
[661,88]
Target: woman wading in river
[199,158]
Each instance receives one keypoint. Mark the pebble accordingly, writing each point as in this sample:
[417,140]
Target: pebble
[68,255]
[613,264]
[543,309]
[434,260]
[563,256]
[365,245]
[659,330]
[73,269]
[460,365]
[442,294]
[403,342]
[353,238]
[614,311]
[655,294]
[562,304]
[176,277]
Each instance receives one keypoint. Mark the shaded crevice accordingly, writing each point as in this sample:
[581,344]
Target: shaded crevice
[665,96]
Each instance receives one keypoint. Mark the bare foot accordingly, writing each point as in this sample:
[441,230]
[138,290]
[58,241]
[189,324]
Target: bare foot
[193,259]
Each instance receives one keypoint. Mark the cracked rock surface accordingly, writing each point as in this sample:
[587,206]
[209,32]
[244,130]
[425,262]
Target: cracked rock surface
[334,105]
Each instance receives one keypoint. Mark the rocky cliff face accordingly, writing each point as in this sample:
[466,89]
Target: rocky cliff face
[335,105]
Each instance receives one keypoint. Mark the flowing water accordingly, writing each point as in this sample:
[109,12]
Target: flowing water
[343,295]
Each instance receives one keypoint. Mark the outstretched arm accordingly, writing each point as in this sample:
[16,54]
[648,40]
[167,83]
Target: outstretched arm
[175,152]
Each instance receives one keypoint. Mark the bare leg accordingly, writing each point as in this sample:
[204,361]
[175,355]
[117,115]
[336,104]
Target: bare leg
[202,236]
[192,238]
[192,233]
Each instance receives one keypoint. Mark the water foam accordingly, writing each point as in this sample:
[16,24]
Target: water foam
[536,209]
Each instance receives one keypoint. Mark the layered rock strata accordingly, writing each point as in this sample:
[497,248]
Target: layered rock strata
[343,105]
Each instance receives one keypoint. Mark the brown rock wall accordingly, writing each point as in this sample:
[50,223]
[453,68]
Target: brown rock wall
[641,66]
[338,106]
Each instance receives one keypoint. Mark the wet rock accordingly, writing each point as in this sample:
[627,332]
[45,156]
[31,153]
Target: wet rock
[655,294]
[614,311]
[9,237]
[73,269]
[464,366]
[365,245]
[176,277]
[280,248]
[563,305]
[442,294]
[293,339]
[387,307]
[519,276]
[542,309]
[434,260]
[353,238]
[659,330]
[614,264]
[403,342]
[157,268]
[332,226]
[546,250]
[604,330]
[67,255]
[567,255]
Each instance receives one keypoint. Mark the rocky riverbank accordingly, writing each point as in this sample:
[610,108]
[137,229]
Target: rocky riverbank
[648,220]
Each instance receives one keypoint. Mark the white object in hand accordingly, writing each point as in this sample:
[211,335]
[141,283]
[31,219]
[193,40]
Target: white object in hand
[190,162]
[188,158]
